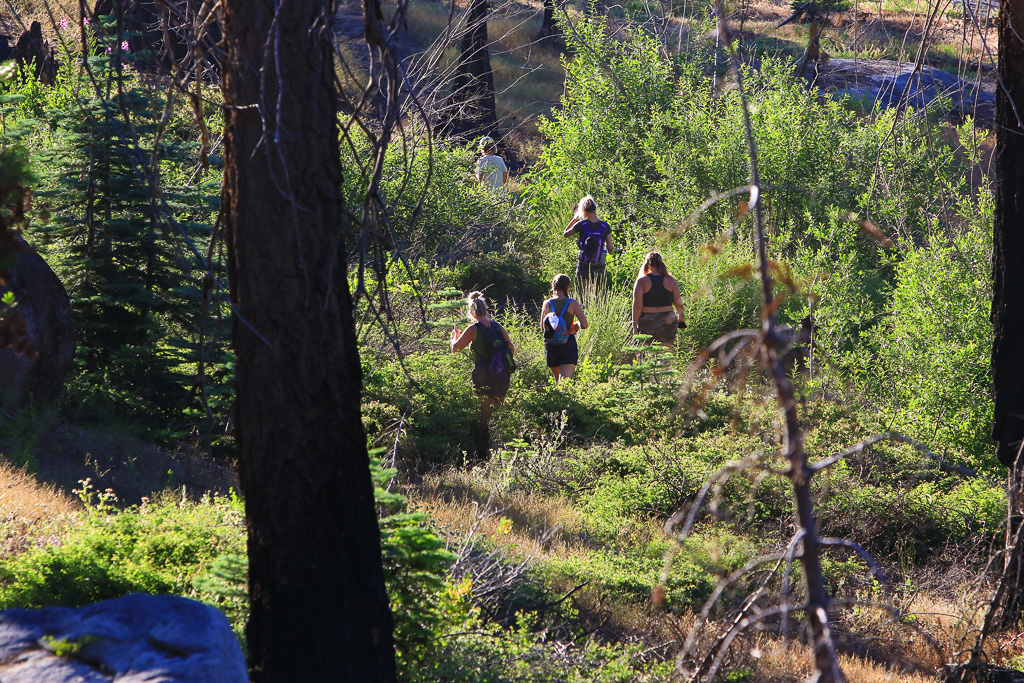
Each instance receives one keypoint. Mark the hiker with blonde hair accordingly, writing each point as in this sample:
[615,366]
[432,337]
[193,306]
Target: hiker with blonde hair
[556,322]
[655,294]
[593,239]
[492,350]
[490,168]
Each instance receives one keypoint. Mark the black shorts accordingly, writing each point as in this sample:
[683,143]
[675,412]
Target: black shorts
[562,354]
[592,272]
[486,383]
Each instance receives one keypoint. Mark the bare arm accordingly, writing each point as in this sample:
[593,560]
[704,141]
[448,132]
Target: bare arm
[608,243]
[638,303]
[677,300]
[461,340]
[545,309]
[571,228]
[504,177]
[580,315]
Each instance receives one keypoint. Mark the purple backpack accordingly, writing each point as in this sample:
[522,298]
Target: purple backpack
[590,240]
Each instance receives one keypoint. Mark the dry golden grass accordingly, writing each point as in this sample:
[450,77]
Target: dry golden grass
[30,513]
[778,663]
[877,646]
[18,15]
[455,503]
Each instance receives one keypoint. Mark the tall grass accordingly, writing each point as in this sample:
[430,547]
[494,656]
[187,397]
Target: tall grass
[32,514]
[608,312]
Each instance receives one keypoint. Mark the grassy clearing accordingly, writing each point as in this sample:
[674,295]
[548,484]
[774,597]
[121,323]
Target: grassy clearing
[589,524]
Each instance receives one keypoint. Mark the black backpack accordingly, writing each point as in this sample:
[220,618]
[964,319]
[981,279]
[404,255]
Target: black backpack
[502,361]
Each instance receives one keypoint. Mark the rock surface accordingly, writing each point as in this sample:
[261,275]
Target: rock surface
[894,84]
[43,304]
[133,639]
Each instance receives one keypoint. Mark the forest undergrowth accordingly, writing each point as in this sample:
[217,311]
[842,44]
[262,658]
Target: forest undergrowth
[541,564]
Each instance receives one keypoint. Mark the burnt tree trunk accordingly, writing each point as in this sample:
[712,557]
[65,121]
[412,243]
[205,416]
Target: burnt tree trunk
[319,606]
[473,85]
[1008,293]
[549,28]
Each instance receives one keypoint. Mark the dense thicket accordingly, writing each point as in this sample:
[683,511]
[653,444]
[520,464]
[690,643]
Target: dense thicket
[125,212]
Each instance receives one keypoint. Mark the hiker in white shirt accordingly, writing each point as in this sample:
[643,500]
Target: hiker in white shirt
[490,168]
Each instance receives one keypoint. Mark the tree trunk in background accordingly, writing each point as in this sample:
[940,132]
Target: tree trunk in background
[1008,274]
[319,606]
[473,86]
[549,25]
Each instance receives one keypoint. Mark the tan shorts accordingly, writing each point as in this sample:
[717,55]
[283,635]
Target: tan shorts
[661,326]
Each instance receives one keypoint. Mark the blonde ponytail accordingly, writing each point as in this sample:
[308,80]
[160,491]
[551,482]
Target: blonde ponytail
[477,305]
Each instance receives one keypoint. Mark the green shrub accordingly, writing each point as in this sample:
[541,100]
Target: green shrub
[486,653]
[436,398]
[931,374]
[158,547]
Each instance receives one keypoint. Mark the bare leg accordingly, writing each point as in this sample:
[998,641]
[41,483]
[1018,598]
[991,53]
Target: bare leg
[567,371]
[483,428]
[556,371]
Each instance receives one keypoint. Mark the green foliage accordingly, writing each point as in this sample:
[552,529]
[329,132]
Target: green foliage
[415,563]
[97,138]
[64,647]
[930,372]
[14,178]
[434,405]
[487,653]
[158,547]
[133,295]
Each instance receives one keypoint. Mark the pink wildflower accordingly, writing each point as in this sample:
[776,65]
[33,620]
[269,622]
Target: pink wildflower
[63,23]
[124,44]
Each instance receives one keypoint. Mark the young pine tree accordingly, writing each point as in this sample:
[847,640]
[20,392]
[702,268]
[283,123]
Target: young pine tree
[134,288]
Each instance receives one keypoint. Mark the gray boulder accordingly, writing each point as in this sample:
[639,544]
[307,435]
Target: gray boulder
[890,84]
[43,304]
[137,638]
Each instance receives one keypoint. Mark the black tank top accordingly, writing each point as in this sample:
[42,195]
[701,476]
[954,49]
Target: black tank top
[657,296]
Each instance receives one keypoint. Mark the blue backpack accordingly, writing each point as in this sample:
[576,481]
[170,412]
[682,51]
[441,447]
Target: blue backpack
[557,331]
[591,240]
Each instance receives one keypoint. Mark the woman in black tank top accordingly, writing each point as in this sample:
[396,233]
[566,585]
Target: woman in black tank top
[490,390]
[655,294]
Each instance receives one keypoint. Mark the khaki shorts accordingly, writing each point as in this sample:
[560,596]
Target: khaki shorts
[661,326]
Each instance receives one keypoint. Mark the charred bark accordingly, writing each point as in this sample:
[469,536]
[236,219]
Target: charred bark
[473,86]
[1008,292]
[319,606]
[550,31]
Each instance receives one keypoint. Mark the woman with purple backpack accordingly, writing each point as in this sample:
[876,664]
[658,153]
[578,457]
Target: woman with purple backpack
[593,239]
[492,352]
[556,321]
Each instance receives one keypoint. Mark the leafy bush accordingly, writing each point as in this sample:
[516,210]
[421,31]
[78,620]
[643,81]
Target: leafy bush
[436,399]
[932,377]
[158,547]
[487,653]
